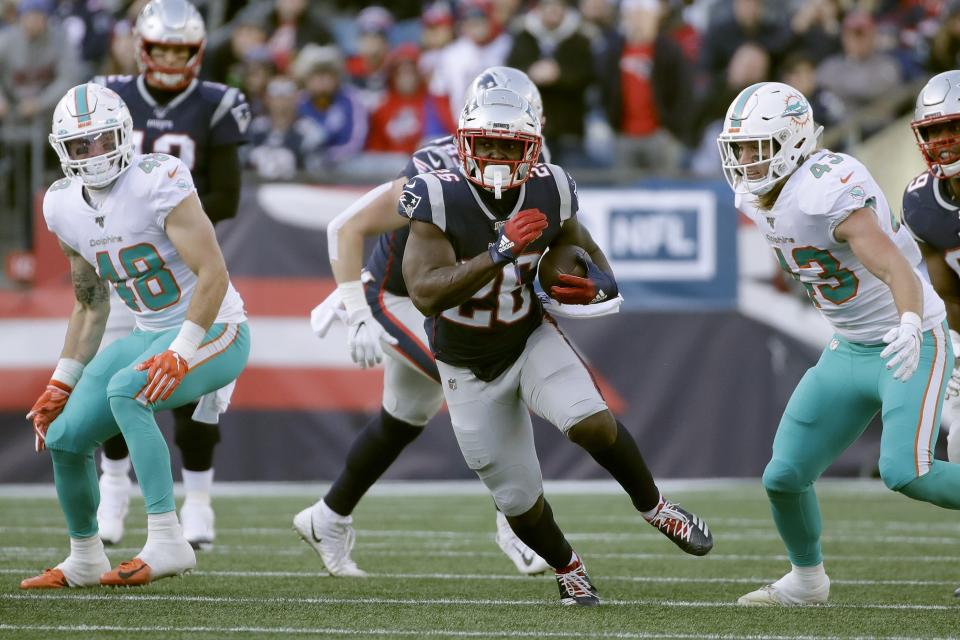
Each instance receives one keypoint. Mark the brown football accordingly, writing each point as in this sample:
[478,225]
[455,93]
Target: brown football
[559,259]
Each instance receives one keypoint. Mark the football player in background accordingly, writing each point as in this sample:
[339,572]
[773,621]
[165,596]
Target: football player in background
[931,203]
[202,123]
[135,222]
[931,210]
[829,225]
[476,236]
[378,308]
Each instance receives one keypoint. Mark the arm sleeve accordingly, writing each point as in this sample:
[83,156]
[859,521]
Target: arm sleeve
[230,120]
[422,199]
[221,200]
[172,183]
[51,204]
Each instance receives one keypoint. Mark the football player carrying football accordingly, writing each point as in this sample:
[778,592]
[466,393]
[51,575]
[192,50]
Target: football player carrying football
[378,309]
[931,203]
[137,223]
[829,225]
[201,123]
[476,235]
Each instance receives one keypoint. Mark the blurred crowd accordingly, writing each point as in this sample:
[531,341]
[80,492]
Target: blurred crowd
[350,87]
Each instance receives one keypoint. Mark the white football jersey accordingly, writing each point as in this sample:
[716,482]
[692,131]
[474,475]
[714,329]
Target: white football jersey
[820,194]
[126,242]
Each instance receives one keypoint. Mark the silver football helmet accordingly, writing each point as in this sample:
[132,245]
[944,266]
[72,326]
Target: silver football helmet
[92,133]
[939,105]
[778,120]
[507,78]
[170,22]
[505,115]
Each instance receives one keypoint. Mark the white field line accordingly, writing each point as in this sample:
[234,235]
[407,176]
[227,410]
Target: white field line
[366,550]
[828,486]
[420,602]
[514,576]
[435,633]
[467,537]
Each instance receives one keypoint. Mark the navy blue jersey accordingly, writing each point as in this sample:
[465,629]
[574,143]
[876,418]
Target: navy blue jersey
[386,258]
[204,115]
[488,332]
[931,214]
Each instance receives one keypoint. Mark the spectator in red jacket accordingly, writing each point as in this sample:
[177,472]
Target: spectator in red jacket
[408,115]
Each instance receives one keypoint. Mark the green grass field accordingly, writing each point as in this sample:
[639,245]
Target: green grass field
[438,573]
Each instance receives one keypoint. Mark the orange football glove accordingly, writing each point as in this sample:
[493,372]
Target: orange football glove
[45,410]
[164,373]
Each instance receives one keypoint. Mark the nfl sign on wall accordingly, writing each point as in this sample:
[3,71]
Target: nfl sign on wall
[672,245]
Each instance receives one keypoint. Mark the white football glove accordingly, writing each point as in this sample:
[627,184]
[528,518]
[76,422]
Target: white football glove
[953,386]
[326,313]
[561,310]
[903,343]
[364,333]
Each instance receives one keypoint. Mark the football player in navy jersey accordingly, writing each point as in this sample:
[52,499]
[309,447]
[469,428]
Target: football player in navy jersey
[378,309]
[476,237]
[202,123]
[931,207]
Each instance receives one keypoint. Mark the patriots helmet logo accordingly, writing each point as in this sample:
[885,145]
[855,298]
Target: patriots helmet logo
[409,202]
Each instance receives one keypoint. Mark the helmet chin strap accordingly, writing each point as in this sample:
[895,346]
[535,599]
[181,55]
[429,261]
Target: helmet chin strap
[496,173]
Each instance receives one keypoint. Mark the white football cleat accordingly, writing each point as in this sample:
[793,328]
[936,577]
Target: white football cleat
[197,519]
[158,559]
[114,504]
[787,592]
[331,536]
[526,559]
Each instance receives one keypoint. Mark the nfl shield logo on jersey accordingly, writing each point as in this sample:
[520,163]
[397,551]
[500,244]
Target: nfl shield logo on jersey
[452,383]
[409,202]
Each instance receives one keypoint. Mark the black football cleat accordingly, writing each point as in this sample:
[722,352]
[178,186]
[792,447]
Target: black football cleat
[688,531]
[575,586]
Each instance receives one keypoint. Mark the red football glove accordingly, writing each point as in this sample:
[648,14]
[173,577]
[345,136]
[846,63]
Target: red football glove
[45,410]
[598,286]
[518,232]
[164,373]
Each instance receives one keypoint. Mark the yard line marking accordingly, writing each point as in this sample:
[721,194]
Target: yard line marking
[437,632]
[473,536]
[114,597]
[444,633]
[514,576]
[377,549]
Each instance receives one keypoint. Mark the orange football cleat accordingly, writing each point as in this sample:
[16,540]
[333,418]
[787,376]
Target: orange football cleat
[132,573]
[49,579]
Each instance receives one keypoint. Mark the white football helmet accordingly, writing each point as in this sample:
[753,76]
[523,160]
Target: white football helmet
[87,118]
[779,121]
[170,22]
[939,104]
[504,114]
[507,78]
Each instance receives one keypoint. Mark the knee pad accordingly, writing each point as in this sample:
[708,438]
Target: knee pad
[515,490]
[126,383]
[896,475]
[410,396]
[782,477]
[196,440]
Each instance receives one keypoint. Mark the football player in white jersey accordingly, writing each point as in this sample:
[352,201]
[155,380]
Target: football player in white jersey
[829,226]
[136,223]
[202,123]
